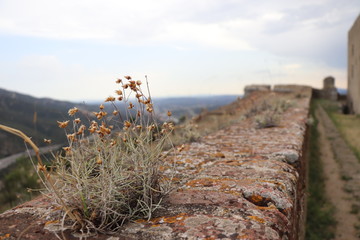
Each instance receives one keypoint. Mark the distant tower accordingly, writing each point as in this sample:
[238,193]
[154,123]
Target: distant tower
[329,83]
[329,90]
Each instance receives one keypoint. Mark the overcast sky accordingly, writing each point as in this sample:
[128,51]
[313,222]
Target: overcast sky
[75,49]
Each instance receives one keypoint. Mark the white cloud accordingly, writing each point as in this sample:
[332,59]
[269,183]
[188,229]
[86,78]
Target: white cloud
[213,35]
[292,66]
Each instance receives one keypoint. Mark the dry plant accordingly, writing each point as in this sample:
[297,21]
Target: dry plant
[109,173]
[268,114]
[267,119]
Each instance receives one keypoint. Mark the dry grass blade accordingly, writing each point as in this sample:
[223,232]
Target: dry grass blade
[25,138]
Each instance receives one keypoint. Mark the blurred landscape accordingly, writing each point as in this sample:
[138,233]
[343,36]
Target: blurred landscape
[37,117]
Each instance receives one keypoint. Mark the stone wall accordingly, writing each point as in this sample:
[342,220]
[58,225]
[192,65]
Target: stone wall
[354,67]
[241,182]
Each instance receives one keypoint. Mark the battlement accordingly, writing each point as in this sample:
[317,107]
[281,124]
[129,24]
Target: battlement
[245,181]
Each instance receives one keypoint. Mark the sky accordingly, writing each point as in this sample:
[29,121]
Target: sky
[76,49]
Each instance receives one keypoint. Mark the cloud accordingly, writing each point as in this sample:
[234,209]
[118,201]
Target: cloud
[175,41]
[277,26]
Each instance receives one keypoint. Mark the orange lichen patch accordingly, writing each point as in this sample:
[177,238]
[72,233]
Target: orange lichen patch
[218,155]
[258,200]
[140,221]
[5,236]
[235,193]
[271,207]
[177,219]
[173,179]
[230,163]
[258,219]
[280,184]
[179,162]
[188,160]
[243,237]
[163,168]
[207,182]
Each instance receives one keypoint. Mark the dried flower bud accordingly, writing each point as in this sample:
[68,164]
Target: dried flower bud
[71,137]
[77,120]
[48,141]
[181,148]
[104,130]
[151,127]
[110,99]
[63,124]
[126,86]
[138,82]
[81,130]
[127,124]
[118,81]
[127,77]
[41,168]
[72,111]
[92,129]
[169,114]
[149,109]
[67,149]
[101,106]
[131,106]
[120,98]
[115,112]
[119,92]
[99,161]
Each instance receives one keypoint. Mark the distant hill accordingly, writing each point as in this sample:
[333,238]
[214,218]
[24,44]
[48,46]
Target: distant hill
[37,117]
[191,106]
[342,91]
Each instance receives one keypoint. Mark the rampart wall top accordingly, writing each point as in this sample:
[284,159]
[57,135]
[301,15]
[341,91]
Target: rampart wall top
[245,181]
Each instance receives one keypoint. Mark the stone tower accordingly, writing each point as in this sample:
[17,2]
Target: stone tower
[329,90]
[353,96]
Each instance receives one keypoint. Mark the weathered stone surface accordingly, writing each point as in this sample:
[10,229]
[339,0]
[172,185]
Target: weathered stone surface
[237,183]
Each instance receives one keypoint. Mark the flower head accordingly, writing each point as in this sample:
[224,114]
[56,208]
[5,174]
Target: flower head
[72,111]
[63,124]
[110,99]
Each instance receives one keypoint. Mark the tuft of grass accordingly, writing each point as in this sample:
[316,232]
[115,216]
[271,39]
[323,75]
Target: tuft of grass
[320,221]
[109,173]
[268,114]
[267,120]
